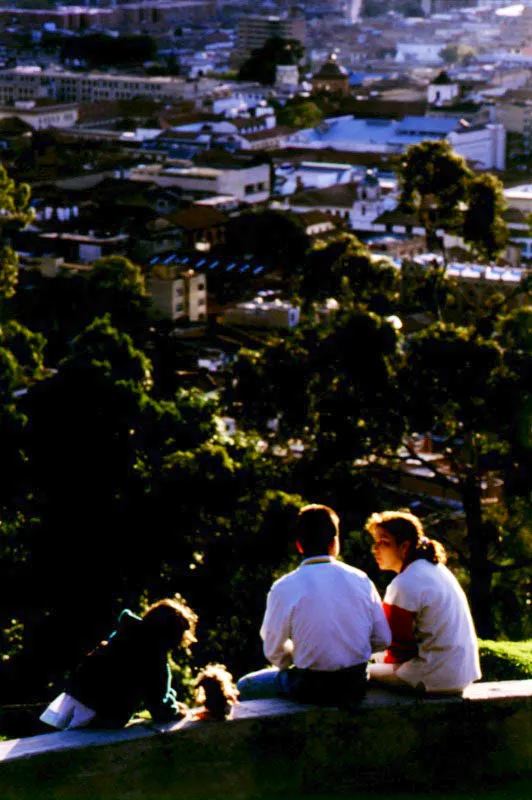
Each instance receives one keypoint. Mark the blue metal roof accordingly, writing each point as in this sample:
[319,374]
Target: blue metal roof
[425,126]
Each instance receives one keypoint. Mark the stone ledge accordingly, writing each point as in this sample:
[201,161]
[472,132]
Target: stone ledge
[276,747]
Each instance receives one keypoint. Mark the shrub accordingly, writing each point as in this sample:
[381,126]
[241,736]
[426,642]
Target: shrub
[506,661]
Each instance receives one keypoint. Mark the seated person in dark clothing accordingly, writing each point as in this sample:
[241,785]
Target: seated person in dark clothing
[128,671]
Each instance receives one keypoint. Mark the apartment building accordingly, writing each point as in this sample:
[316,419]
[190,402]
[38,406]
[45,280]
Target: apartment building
[31,83]
[150,16]
[178,293]
[255,29]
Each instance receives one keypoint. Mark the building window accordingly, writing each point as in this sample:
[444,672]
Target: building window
[249,188]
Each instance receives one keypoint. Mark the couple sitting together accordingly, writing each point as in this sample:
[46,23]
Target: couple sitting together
[325,630]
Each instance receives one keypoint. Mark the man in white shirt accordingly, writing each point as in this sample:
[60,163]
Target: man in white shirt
[322,622]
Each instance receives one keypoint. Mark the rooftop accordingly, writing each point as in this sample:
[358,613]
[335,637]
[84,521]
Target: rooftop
[341,195]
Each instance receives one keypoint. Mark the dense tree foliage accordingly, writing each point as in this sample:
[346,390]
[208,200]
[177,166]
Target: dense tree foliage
[434,183]
[16,213]
[300,113]
[345,269]
[445,194]
[276,236]
[102,50]
[484,226]
[262,64]
[61,307]
[353,389]
[119,486]
[457,53]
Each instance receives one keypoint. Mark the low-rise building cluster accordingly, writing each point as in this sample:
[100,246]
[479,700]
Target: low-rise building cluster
[157,161]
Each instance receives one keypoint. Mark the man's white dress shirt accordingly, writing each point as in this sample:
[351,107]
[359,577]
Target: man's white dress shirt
[325,615]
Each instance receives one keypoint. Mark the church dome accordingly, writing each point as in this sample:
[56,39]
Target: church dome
[331,69]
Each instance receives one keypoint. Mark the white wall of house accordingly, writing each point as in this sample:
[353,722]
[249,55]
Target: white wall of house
[520,197]
[440,94]
[420,52]
[486,145]
[196,286]
[261,314]
[41,118]
[181,298]
[250,184]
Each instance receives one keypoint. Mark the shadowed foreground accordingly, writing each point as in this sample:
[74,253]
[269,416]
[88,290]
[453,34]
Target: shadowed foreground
[277,749]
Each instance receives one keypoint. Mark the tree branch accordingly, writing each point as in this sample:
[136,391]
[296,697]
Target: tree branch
[509,567]
[440,476]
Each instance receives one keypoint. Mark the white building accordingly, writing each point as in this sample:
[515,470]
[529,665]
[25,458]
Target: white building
[249,183]
[520,197]
[484,144]
[287,77]
[290,178]
[419,53]
[178,295]
[39,116]
[260,313]
[28,83]
[442,91]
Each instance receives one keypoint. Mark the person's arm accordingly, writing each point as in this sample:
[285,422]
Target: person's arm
[403,646]
[161,699]
[275,631]
[381,635]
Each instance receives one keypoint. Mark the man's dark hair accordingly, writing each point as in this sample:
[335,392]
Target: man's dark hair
[316,528]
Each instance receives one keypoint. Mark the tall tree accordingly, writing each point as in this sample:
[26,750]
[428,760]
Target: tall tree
[462,387]
[262,64]
[434,183]
[332,385]
[344,269]
[484,226]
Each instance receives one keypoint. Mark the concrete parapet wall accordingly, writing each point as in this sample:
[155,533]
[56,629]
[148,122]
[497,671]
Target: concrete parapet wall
[277,748]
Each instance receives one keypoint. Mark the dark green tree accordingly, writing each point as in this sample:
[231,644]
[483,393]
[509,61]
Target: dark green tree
[344,269]
[100,49]
[16,213]
[465,388]
[323,385]
[276,236]
[62,307]
[434,182]
[457,53]
[27,348]
[484,226]
[262,64]
[300,114]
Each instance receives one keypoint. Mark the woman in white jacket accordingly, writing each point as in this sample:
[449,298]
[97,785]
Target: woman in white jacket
[434,645]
